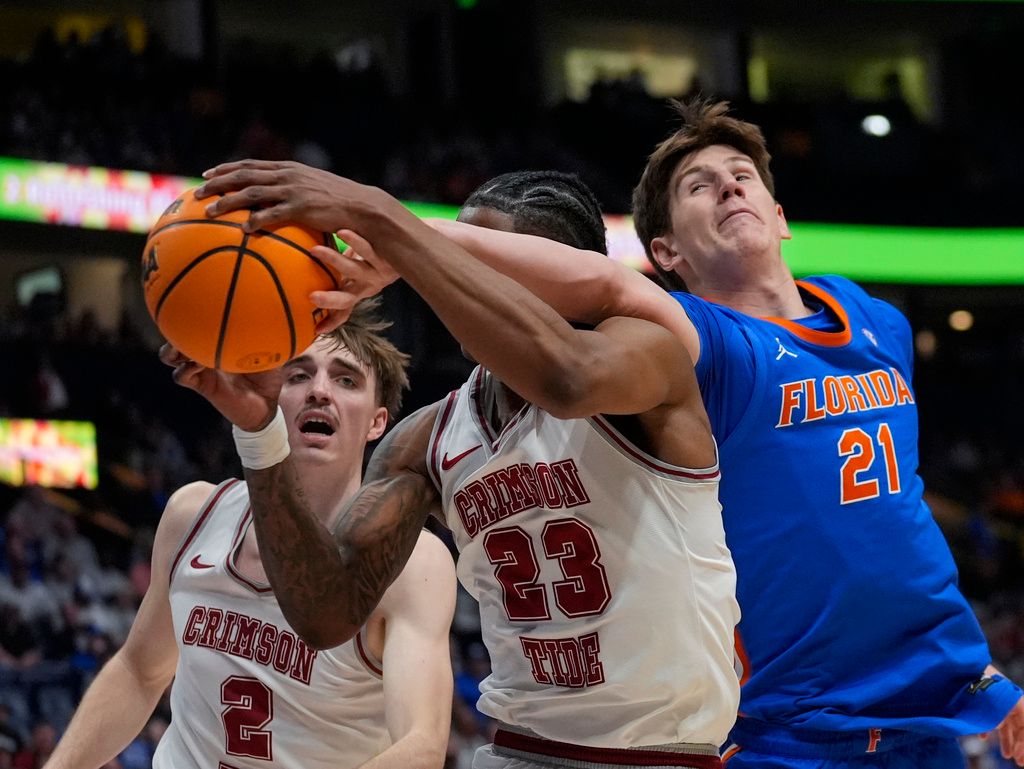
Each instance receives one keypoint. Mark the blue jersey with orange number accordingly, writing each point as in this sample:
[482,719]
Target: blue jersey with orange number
[851,613]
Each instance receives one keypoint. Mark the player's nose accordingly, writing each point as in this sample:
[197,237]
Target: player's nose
[319,387]
[730,187]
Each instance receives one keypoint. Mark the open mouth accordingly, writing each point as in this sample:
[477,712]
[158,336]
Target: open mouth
[739,212]
[313,425]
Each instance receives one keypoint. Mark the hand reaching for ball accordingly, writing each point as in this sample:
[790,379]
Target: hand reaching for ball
[246,400]
[362,274]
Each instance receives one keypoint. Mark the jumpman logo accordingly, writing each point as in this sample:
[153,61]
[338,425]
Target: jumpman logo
[783,351]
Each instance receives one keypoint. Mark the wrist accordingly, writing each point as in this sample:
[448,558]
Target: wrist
[265,447]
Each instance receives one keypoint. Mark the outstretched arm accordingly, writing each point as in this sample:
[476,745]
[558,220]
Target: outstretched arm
[525,342]
[579,285]
[328,581]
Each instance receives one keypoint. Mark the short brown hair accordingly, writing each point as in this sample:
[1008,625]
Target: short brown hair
[361,336]
[705,123]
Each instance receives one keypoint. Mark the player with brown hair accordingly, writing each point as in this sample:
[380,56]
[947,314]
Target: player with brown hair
[247,689]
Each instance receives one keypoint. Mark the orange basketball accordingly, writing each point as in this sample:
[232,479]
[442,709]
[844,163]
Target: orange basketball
[229,299]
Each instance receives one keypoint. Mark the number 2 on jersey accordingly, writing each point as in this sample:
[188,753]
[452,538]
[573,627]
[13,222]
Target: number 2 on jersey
[583,593]
[250,707]
[859,449]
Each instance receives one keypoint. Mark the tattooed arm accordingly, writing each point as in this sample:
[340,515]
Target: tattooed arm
[329,581]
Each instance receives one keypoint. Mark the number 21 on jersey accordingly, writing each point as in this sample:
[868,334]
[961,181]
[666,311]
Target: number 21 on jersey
[857,481]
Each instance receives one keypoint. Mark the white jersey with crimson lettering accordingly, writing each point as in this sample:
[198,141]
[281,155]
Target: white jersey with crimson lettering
[247,691]
[606,590]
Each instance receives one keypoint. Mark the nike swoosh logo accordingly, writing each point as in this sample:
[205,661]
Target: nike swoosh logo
[195,563]
[447,464]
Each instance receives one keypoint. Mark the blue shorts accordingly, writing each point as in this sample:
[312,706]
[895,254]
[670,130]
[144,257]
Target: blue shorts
[759,746]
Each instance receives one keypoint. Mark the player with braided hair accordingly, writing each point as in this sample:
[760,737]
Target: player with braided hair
[575,469]
[545,201]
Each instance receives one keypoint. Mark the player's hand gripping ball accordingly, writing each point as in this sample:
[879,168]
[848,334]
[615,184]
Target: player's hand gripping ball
[229,299]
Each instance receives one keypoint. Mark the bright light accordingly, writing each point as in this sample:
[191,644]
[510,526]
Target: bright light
[876,125]
[926,343]
[960,320]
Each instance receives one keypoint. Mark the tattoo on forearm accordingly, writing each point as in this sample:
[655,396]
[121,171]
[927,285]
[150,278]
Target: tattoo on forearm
[327,582]
[376,534]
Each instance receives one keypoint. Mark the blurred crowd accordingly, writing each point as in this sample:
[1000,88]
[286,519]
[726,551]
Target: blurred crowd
[171,114]
[74,565]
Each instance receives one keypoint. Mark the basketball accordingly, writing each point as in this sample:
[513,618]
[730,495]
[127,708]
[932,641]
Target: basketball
[230,299]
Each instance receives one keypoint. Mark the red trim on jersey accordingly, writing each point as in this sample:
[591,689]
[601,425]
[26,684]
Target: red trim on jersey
[375,667]
[823,338]
[741,652]
[229,562]
[197,524]
[622,756]
[432,465]
[475,394]
[646,459]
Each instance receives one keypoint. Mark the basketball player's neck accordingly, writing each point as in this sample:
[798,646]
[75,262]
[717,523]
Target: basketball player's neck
[501,403]
[775,296]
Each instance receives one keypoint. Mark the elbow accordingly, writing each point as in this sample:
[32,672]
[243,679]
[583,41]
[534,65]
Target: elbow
[430,752]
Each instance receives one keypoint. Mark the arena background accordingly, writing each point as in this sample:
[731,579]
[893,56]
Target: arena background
[897,124]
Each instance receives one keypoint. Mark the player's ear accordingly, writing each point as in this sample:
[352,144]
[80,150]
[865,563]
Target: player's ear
[378,424]
[665,253]
[784,232]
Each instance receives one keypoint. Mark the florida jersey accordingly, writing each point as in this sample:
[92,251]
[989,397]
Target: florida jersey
[851,613]
[247,691]
[606,590]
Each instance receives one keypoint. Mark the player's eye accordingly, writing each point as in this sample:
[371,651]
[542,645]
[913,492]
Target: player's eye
[694,188]
[347,381]
[297,376]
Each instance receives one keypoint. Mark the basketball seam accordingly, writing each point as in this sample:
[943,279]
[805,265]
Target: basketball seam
[181,275]
[181,222]
[326,270]
[285,304]
[228,301]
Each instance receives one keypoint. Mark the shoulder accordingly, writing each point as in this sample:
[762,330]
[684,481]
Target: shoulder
[426,585]
[845,289]
[405,445]
[182,508]
[178,516]
[431,563]
[418,423]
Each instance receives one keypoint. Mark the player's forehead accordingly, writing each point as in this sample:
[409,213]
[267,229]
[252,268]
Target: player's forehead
[326,353]
[711,156]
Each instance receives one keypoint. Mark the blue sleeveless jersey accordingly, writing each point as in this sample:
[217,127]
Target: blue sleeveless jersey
[851,613]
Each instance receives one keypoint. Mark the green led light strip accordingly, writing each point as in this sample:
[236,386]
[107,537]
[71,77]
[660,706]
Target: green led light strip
[908,254]
[100,198]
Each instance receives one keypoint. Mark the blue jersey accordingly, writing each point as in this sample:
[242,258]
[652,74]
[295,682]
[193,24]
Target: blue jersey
[851,613]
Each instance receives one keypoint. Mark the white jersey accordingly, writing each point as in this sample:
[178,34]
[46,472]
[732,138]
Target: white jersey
[606,590]
[248,692]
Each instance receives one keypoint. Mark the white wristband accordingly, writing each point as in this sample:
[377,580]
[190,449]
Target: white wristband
[263,448]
